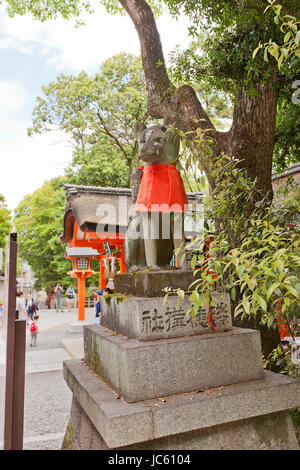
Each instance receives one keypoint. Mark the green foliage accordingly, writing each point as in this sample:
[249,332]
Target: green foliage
[233,31]
[5,222]
[255,249]
[97,114]
[286,51]
[186,69]
[287,136]
[220,62]
[48,9]
[224,63]
[38,220]
[255,252]
[99,166]
[114,7]
[289,49]
[281,358]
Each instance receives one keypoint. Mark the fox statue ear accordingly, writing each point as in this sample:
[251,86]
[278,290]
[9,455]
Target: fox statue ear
[138,128]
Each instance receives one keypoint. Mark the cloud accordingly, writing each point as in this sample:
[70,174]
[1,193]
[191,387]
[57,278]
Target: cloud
[76,49]
[26,162]
[13,98]
[68,47]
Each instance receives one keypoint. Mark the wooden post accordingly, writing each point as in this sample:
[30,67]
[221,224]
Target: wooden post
[15,355]
[81,298]
[122,262]
[19,385]
[101,276]
[9,319]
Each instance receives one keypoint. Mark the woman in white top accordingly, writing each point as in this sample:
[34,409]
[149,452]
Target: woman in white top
[20,306]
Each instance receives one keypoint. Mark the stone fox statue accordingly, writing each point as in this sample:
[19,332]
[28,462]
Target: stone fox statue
[160,200]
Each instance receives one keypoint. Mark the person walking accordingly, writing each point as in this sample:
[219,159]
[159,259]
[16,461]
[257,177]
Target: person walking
[70,295]
[58,291]
[34,329]
[31,306]
[20,307]
[97,319]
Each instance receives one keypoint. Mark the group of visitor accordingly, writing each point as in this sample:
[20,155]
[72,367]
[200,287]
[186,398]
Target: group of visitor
[57,292]
[27,309]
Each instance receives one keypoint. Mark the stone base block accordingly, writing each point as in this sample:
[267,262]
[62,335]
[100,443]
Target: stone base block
[77,326]
[151,283]
[142,370]
[249,416]
[148,318]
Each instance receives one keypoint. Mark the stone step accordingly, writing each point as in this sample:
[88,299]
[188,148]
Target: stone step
[252,415]
[148,318]
[144,370]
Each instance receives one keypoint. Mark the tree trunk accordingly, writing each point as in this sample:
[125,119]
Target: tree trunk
[251,137]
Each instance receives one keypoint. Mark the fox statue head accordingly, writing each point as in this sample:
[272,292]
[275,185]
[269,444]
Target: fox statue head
[157,144]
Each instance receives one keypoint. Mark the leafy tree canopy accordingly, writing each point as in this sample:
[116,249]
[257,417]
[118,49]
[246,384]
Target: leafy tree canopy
[224,60]
[38,221]
[97,113]
[51,9]
[5,222]
[234,30]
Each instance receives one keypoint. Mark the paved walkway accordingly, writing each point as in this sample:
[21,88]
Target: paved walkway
[47,397]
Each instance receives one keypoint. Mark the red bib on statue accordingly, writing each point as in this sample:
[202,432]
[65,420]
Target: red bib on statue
[161,190]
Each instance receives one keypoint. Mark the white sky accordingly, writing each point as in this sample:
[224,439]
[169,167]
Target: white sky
[31,55]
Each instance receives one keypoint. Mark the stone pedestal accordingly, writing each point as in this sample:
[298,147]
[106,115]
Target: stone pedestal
[77,326]
[145,318]
[246,416]
[154,377]
[151,369]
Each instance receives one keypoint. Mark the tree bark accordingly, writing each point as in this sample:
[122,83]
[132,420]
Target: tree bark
[251,137]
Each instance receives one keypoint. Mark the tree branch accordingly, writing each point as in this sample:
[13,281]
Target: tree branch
[112,136]
[158,84]
[179,107]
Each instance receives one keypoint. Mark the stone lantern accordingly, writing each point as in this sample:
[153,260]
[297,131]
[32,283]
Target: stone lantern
[81,269]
